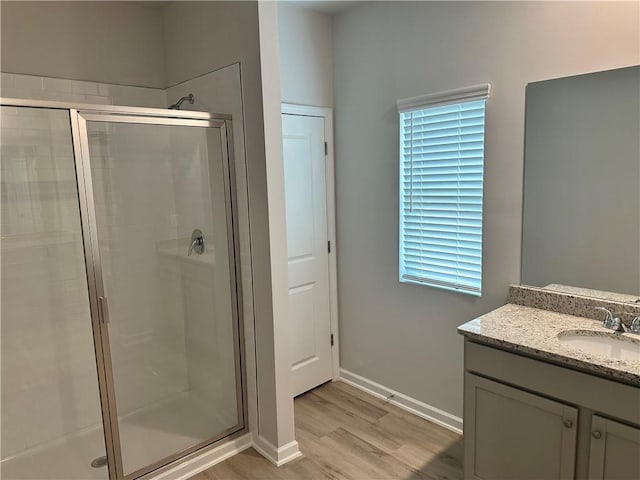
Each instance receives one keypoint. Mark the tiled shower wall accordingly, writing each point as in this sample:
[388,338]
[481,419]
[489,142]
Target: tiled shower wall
[57,89]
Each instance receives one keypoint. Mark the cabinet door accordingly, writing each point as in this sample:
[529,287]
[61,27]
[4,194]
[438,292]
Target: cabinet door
[512,434]
[615,450]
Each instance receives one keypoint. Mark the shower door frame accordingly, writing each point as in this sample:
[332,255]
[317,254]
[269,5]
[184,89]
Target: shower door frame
[79,115]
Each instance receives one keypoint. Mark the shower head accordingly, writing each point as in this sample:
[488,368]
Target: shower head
[189,98]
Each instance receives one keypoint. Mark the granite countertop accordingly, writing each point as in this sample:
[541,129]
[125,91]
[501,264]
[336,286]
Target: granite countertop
[534,332]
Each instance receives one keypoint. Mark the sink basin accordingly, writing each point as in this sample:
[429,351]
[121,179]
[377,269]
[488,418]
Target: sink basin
[602,344]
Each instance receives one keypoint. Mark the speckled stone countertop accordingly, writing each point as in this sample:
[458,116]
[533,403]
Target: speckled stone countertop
[534,332]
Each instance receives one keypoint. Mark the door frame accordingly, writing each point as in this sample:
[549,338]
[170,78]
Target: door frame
[326,114]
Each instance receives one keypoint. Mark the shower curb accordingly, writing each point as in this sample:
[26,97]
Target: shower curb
[202,461]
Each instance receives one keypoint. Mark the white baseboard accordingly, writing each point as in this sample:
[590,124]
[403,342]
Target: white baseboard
[421,409]
[277,456]
[214,455]
[206,459]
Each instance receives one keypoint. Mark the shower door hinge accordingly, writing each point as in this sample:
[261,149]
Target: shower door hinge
[329,246]
[326,149]
[332,339]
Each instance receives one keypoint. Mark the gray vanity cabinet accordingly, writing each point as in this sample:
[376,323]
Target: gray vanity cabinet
[517,435]
[615,450]
[525,418]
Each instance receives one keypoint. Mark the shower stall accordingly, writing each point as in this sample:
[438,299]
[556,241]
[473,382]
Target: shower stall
[120,336]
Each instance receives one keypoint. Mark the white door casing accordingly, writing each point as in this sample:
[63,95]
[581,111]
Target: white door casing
[310,323]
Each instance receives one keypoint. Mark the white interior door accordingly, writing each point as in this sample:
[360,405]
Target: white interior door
[307,250]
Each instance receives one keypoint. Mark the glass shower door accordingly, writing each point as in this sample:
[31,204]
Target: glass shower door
[162,222]
[51,417]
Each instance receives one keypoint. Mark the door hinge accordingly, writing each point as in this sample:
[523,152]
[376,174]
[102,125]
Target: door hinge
[329,246]
[326,148]
[332,339]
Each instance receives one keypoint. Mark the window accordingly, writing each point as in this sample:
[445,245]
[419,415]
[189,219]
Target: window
[441,168]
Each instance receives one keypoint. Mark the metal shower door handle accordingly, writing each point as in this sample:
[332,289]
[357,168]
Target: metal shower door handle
[104,310]
[197,243]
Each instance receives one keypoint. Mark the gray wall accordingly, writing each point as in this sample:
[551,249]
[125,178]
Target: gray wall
[404,336]
[306,63]
[581,220]
[111,42]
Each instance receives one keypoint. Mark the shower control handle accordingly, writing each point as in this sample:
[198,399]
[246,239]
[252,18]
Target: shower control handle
[197,243]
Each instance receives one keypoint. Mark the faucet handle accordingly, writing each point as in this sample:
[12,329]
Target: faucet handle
[635,325]
[197,242]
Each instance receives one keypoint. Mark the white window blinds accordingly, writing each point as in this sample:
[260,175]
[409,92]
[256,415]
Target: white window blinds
[441,170]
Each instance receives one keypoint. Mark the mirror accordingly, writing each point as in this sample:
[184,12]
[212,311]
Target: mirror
[581,206]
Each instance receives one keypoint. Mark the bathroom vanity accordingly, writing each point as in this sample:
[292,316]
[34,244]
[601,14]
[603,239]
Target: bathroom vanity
[549,392]
[536,405]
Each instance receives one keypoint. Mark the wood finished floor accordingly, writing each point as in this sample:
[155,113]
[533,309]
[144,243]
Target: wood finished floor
[344,433]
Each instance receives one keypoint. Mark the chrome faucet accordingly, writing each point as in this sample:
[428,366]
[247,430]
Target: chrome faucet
[611,322]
